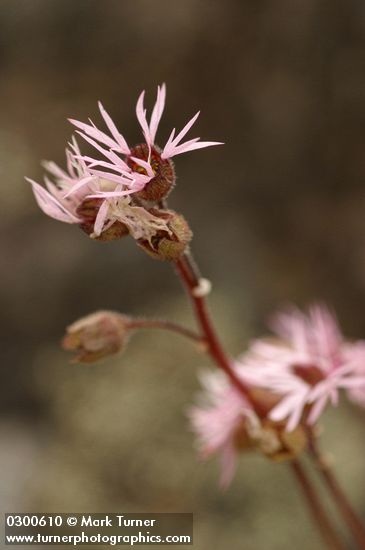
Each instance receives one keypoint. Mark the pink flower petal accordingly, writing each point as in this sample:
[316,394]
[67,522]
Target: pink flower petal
[94,133]
[78,186]
[50,205]
[186,128]
[107,153]
[228,465]
[317,409]
[114,131]
[172,147]
[149,130]
[157,111]
[122,168]
[110,194]
[141,116]
[101,218]
[189,146]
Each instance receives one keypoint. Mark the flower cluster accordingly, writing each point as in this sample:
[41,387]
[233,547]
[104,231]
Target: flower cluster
[293,377]
[226,424]
[119,192]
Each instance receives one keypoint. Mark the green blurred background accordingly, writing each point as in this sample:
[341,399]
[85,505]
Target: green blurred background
[278,216]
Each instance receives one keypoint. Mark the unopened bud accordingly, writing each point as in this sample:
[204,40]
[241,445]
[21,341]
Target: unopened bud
[168,245]
[88,211]
[96,336]
[160,186]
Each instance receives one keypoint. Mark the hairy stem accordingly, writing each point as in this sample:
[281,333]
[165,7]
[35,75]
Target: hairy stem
[329,535]
[342,503]
[166,325]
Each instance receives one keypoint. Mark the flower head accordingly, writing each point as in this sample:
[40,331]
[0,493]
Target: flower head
[306,366]
[226,424]
[106,196]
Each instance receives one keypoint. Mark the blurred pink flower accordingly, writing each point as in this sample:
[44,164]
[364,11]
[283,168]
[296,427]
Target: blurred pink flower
[226,424]
[221,412]
[307,365]
[355,387]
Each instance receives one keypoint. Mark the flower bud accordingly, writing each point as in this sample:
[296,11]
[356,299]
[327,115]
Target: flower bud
[160,186]
[96,336]
[168,245]
[88,211]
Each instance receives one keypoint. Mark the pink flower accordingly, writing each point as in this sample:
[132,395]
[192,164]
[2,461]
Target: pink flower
[307,366]
[120,182]
[217,419]
[355,388]
[64,198]
[146,158]
[226,424]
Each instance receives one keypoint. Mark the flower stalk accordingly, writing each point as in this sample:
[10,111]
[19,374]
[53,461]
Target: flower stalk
[348,514]
[329,535]
[187,272]
[166,325]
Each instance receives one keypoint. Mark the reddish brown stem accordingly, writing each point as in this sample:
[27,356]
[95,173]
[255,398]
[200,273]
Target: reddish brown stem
[187,273]
[344,506]
[166,325]
[329,535]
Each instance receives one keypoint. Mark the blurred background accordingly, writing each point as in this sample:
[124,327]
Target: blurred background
[278,216]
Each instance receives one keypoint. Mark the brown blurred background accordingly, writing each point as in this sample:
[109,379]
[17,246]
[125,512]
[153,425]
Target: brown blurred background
[278,215]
